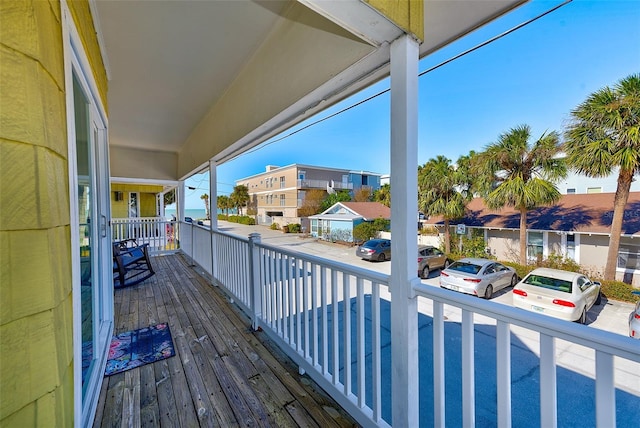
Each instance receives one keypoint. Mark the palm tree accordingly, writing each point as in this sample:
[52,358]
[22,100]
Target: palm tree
[442,191]
[514,173]
[205,198]
[239,197]
[605,134]
[224,203]
[383,195]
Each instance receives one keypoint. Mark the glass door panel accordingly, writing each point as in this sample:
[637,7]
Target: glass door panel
[87,229]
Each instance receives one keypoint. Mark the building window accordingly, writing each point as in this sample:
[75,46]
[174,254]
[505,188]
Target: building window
[282,182]
[571,247]
[301,175]
[571,191]
[594,189]
[629,257]
[282,200]
[534,245]
[134,208]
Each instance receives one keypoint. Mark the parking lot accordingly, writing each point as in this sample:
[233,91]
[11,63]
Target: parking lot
[610,315]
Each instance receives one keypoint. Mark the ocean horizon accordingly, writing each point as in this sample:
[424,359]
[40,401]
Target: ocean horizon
[196,213]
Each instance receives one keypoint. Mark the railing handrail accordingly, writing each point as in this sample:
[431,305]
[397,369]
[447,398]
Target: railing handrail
[600,340]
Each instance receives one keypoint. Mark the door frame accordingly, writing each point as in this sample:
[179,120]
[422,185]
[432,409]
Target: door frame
[76,63]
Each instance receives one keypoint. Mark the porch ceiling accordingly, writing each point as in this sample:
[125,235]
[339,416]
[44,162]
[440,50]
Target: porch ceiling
[194,80]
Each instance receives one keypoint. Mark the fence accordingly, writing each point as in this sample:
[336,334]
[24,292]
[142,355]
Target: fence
[161,234]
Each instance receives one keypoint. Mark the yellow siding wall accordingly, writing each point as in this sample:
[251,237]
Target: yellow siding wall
[408,15]
[36,316]
[147,201]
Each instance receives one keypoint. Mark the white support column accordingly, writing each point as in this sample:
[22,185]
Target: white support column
[180,200]
[213,197]
[404,246]
[161,204]
[213,205]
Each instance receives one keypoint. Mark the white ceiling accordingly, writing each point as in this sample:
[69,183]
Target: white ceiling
[197,78]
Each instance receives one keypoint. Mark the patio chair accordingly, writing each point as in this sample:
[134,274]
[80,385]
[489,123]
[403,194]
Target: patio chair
[131,263]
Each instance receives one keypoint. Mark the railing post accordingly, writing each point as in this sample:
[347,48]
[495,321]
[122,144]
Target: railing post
[254,279]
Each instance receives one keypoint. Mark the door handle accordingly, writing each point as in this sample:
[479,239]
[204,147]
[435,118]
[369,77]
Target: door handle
[103,226]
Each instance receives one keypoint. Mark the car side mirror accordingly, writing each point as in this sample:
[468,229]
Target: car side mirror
[597,283]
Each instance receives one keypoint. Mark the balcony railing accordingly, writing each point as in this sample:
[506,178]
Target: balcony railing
[334,319]
[324,184]
[161,234]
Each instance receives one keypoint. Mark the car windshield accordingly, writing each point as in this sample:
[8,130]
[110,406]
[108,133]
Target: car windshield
[550,283]
[372,244]
[465,267]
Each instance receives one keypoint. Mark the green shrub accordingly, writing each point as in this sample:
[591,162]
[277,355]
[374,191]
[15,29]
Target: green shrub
[521,271]
[274,226]
[242,219]
[557,261]
[364,231]
[429,230]
[618,290]
[294,227]
[473,246]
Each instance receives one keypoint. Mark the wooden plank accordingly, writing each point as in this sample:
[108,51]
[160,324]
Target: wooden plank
[164,389]
[300,415]
[97,420]
[113,403]
[187,386]
[278,415]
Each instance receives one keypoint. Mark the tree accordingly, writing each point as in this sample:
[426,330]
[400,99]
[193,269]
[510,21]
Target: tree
[239,197]
[224,203]
[205,199]
[332,198]
[518,174]
[442,190]
[604,134]
[312,202]
[383,195]
[363,194]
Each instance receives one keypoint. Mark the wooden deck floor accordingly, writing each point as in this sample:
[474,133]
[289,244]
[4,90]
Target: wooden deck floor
[224,374]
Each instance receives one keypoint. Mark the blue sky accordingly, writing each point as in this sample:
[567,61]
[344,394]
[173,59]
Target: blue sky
[533,76]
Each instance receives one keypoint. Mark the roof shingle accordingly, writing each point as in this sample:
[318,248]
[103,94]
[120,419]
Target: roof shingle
[589,213]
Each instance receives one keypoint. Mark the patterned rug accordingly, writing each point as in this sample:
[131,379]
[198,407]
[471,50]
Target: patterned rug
[139,347]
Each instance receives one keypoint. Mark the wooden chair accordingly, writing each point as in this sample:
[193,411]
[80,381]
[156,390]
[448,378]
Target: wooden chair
[131,263]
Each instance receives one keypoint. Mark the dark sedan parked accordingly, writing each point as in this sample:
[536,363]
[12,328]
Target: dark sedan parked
[375,249]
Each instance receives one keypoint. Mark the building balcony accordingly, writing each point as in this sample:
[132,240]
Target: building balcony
[323,184]
[477,360]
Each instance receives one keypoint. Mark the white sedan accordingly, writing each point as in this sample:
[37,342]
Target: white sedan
[557,293]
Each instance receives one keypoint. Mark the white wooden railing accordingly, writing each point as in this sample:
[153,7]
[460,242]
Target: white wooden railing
[299,300]
[161,234]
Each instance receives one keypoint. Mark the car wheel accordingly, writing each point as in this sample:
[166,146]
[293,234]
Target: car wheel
[599,298]
[583,317]
[488,292]
[446,264]
[514,280]
[382,257]
[425,272]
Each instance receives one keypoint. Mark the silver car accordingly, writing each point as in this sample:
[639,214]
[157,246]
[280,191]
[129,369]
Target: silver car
[634,320]
[430,258]
[557,293]
[375,250]
[480,277]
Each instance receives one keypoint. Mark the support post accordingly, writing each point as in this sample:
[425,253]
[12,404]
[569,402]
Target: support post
[404,245]
[254,280]
[213,210]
